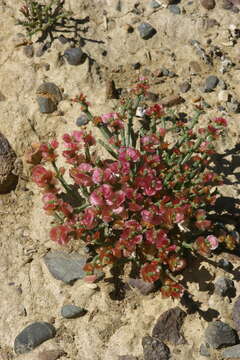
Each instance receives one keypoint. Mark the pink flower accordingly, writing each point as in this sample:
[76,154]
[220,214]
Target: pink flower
[220,121]
[128,154]
[97,176]
[212,242]
[61,234]
[41,176]
[89,217]
[50,201]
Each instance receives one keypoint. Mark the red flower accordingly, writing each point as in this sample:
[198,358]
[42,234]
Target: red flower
[173,289]
[41,176]
[61,234]
[151,272]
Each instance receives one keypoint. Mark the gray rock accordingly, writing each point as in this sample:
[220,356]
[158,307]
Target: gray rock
[168,326]
[82,120]
[225,264]
[46,105]
[28,51]
[145,288]
[146,31]
[174,9]
[154,4]
[40,50]
[32,336]
[224,286]
[232,352]
[65,267]
[211,83]
[72,311]
[154,349]
[74,56]
[204,350]
[184,87]
[236,314]
[50,90]
[219,334]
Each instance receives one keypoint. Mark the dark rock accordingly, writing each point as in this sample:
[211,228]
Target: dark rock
[65,267]
[236,314]
[204,350]
[172,74]
[219,334]
[211,83]
[154,349]
[164,72]
[32,336]
[111,91]
[146,31]
[168,326]
[50,90]
[46,106]
[184,87]
[174,9]
[8,177]
[51,354]
[145,288]
[82,120]
[72,311]
[224,286]
[62,39]
[136,66]
[74,56]
[154,4]
[225,264]
[208,4]
[28,51]
[232,352]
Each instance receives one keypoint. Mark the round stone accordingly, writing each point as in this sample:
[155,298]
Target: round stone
[82,120]
[72,311]
[74,56]
[46,105]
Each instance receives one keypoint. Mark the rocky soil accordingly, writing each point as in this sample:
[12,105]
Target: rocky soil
[190,52]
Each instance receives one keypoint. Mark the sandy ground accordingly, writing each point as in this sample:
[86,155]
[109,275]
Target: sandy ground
[28,292]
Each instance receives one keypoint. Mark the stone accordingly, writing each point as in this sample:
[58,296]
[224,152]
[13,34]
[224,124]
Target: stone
[172,100]
[40,51]
[32,336]
[48,97]
[51,354]
[62,39]
[82,120]
[146,31]
[225,264]
[72,311]
[64,266]
[232,352]
[211,83]
[154,4]
[168,326]
[219,334]
[208,4]
[236,314]
[224,287]
[46,106]
[174,9]
[154,349]
[8,161]
[28,51]
[204,350]
[74,56]
[145,288]
[136,66]
[184,86]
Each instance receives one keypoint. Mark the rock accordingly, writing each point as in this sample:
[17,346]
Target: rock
[74,56]
[208,4]
[146,31]
[145,288]
[184,87]
[225,264]
[65,267]
[154,349]
[172,100]
[204,350]
[51,354]
[219,334]
[211,83]
[8,159]
[48,97]
[232,352]
[174,9]
[154,4]
[28,51]
[32,336]
[62,39]
[40,51]
[236,314]
[224,287]
[136,66]
[168,326]
[72,311]
[82,120]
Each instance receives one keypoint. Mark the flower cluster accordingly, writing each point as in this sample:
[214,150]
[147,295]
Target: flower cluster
[147,202]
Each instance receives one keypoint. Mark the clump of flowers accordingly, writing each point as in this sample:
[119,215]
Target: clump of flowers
[146,202]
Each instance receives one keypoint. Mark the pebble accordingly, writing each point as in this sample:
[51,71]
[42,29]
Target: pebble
[184,87]
[172,100]
[32,336]
[28,51]
[82,120]
[145,288]
[74,56]
[174,9]
[46,106]
[168,326]
[48,96]
[219,334]
[208,4]
[211,83]
[146,31]
[154,4]
[232,352]
[154,349]
[62,39]
[64,266]
[236,314]
[51,354]
[224,287]
[72,311]
[225,264]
